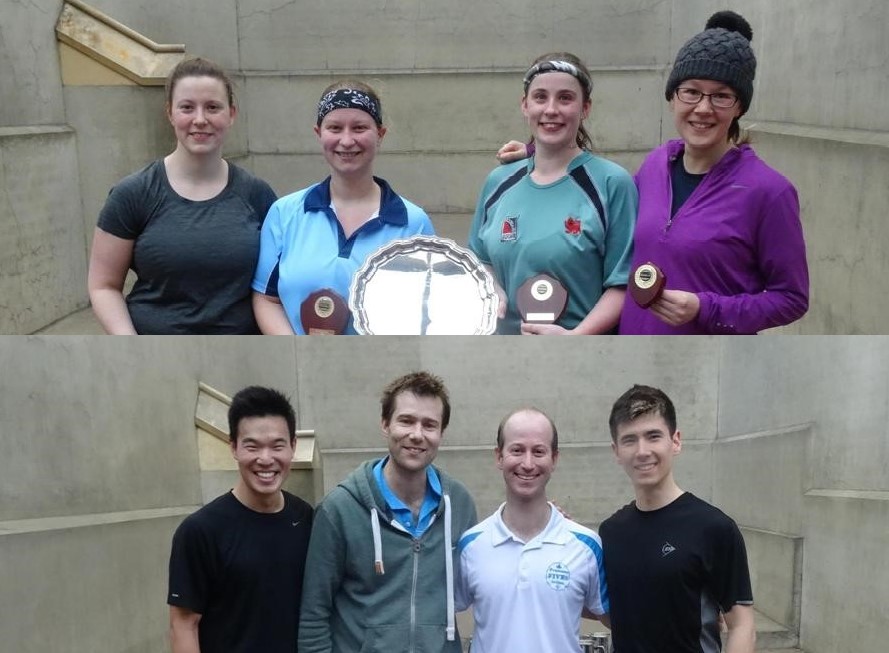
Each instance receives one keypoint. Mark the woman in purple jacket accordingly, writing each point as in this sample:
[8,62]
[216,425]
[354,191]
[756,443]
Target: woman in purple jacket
[722,225]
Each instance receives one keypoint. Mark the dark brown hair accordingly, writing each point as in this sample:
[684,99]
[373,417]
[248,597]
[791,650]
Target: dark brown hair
[422,384]
[198,67]
[638,401]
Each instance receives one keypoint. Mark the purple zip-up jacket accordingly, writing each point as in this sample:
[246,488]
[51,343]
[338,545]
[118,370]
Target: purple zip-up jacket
[737,242]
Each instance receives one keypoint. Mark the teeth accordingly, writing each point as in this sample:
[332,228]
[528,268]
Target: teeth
[265,474]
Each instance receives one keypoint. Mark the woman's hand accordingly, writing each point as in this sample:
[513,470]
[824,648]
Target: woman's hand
[676,307]
[512,151]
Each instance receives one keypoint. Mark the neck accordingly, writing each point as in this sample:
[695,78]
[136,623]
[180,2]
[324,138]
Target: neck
[526,518]
[353,189]
[259,502]
[409,487]
[698,162]
[658,496]
[197,168]
[554,162]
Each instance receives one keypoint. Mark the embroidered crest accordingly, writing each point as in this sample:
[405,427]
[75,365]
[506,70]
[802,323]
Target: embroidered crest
[558,576]
[509,230]
[572,226]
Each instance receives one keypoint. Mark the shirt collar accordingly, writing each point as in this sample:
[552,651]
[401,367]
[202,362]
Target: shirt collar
[554,532]
[433,485]
[392,208]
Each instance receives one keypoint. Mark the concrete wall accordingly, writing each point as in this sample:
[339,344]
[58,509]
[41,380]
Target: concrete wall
[98,465]
[450,76]
[98,457]
[803,452]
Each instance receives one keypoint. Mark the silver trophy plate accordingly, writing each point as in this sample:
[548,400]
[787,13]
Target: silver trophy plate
[423,285]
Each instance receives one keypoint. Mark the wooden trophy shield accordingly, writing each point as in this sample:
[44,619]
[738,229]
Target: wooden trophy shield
[541,300]
[324,313]
[646,284]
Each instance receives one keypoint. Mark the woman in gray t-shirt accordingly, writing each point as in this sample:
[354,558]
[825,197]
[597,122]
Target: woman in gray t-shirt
[187,225]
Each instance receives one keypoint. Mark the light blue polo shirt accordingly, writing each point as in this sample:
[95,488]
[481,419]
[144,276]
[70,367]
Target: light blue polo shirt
[402,513]
[303,247]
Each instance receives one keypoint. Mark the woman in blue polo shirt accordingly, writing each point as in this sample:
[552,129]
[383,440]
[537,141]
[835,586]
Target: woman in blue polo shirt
[317,237]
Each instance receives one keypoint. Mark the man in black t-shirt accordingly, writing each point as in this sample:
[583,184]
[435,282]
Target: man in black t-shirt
[673,562]
[237,564]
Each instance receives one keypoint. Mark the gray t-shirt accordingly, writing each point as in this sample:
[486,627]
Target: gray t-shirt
[194,259]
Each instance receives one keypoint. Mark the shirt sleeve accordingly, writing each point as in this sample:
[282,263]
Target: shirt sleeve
[462,596]
[262,198]
[728,572]
[271,245]
[623,205]
[191,568]
[124,212]
[596,599]
[475,242]
[325,569]
[781,260]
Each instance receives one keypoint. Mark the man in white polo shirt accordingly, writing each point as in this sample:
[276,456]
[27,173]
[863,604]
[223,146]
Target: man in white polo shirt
[527,571]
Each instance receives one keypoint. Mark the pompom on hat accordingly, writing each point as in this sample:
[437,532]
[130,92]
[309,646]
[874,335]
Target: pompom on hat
[721,53]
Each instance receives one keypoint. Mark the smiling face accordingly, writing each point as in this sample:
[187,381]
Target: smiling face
[349,139]
[263,451]
[645,448]
[554,107]
[526,457]
[413,433]
[703,127]
[201,115]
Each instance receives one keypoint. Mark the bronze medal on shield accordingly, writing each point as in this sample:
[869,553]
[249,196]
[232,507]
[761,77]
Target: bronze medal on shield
[324,313]
[541,300]
[646,284]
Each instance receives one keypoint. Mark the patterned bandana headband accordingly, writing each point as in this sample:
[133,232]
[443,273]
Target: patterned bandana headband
[350,98]
[558,67]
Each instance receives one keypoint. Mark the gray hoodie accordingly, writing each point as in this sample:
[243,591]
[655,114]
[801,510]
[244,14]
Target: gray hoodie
[370,586]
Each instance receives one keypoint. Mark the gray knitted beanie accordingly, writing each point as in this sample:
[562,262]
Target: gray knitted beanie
[721,53]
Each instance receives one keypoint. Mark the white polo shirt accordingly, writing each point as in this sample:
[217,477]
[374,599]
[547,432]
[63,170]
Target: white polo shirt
[529,596]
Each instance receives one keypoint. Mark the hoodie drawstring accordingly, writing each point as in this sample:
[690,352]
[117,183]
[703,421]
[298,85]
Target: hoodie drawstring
[378,542]
[449,567]
[449,559]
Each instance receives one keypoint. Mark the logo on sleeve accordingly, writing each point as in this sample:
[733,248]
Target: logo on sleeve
[509,230]
[572,226]
[558,576]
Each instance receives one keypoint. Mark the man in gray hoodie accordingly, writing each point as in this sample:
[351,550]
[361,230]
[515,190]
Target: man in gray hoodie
[380,568]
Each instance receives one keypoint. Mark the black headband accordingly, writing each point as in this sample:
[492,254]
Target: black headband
[350,98]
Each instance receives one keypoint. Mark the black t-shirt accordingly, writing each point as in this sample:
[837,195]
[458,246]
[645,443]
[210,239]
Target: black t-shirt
[194,259]
[242,570]
[683,184]
[670,572]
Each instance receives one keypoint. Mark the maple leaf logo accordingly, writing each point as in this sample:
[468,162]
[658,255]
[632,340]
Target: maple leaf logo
[572,226]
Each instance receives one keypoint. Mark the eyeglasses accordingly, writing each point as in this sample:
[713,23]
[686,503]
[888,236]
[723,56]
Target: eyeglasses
[694,96]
